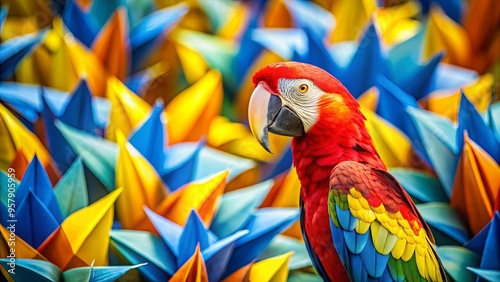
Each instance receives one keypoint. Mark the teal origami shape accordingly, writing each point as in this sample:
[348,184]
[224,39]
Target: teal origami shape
[436,135]
[37,211]
[98,273]
[138,247]
[237,206]
[71,190]
[282,244]
[445,222]
[98,155]
[180,169]
[421,186]
[455,261]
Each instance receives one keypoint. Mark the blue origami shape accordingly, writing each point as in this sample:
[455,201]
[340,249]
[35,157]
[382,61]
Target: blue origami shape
[311,16]
[138,82]
[236,208]
[452,8]
[471,121]
[102,11]
[14,50]
[263,225]
[61,151]
[249,49]
[182,242]
[149,138]
[181,169]
[450,77]
[38,209]
[82,25]
[436,135]
[26,99]
[487,245]
[79,112]
[150,31]
[367,63]
[33,270]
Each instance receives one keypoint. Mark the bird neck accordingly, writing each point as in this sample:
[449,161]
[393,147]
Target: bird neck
[327,144]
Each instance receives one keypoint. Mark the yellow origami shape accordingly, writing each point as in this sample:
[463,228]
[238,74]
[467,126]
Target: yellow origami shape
[443,34]
[14,136]
[397,23]
[111,47]
[142,186]
[446,104]
[83,237]
[189,58]
[127,109]
[237,139]
[351,17]
[286,194]
[190,113]
[476,185]
[392,145]
[202,196]
[194,270]
[369,99]
[273,269]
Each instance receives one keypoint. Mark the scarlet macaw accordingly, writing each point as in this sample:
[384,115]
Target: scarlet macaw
[357,221]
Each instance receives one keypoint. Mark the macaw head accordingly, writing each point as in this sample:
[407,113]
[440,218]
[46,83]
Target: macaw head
[294,99]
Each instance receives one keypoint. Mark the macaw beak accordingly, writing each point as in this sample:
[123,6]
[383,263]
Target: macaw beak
[267,114]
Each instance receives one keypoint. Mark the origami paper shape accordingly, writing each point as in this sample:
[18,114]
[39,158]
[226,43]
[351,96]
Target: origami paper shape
[397,22]
[142,186]
[446,223]
[179,171]
[15,49]
[421,186]
[454,9]
[139,247]
[82,24]
[350,18]
[151,30]
[99,273]
[485,244]
[392,145]
[469,120]
[282,244]
[217,52]
[33,270]
[79,112]
[476,187]
[263,225]
[71,190]
[98,154]
[271,269]
[193,270]
[149,138]
[311,16]
[489,275]
[283,42]
[455,260]
[236,207]
[38,209]
[436,134]
[82,237]
[112,45]
[23,249]
[218,12]
[3,16]
[190,113]
[202,196]
[127,109]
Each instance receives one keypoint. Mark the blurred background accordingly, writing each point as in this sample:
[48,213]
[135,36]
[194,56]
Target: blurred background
[123,126]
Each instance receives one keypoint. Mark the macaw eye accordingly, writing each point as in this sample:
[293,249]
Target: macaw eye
[303,88]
